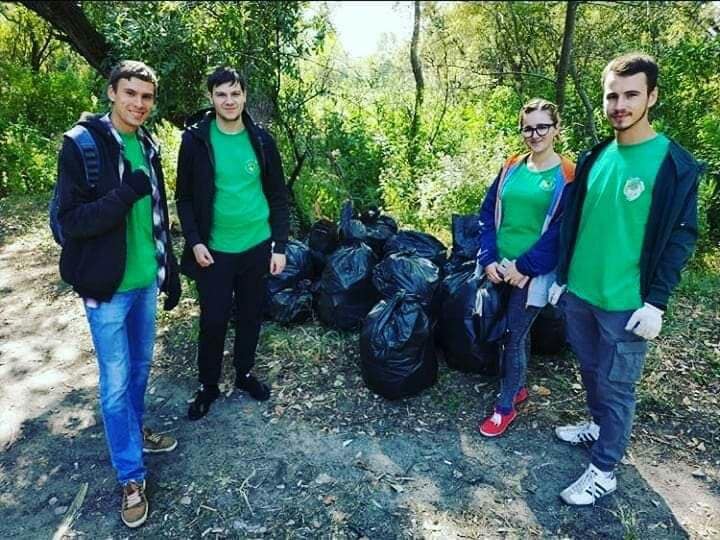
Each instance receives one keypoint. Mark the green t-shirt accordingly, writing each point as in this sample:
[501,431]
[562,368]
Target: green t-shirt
[525,198]
[240,211]
[605,267]
[140,263]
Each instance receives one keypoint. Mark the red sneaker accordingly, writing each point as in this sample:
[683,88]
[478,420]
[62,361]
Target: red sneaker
[490,429]
[521,396]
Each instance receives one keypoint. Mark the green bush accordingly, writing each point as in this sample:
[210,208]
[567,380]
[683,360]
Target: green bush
[168,136]
[28,160]
[35,109]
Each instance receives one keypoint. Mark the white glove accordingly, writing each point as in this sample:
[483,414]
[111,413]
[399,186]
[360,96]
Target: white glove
[555,293]
[645,322]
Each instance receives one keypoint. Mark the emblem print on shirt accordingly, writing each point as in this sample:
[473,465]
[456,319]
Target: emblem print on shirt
[547,184]
[251,167]
[634,187]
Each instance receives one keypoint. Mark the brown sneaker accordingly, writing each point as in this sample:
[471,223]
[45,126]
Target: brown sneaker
[134,504]
[157,443]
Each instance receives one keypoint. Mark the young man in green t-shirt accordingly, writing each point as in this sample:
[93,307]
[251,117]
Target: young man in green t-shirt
[629,228]
[117,256]
[233,207]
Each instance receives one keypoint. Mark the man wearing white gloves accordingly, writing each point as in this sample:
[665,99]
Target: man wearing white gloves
[630,226]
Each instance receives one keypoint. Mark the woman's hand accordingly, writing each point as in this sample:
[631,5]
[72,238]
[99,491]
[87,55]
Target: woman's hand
[492,271]
[514,277]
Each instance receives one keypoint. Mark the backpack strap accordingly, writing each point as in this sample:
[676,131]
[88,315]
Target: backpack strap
[89,152]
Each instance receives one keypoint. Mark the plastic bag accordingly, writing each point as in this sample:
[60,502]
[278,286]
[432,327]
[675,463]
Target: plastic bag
[396,348]
[351,230]
[547,335]
[322,241]
[471,323]
[299,266]
[466,236]
[406,271]
[290,306]
[346,292]
[379,227]
[422,244]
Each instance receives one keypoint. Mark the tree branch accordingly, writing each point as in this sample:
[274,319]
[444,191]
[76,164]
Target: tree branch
[69,19]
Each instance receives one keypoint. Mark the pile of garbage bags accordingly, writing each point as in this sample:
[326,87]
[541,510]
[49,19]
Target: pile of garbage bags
[407,298]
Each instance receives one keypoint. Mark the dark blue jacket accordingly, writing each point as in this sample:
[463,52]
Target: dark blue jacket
[672,227]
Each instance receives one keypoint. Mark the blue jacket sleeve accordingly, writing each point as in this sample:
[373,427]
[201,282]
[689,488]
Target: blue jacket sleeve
[677,252]
[542,257]
[488,238]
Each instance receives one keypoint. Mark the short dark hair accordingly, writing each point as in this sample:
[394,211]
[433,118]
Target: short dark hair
[539,104]
[127,69]
[632,64]
[223,75]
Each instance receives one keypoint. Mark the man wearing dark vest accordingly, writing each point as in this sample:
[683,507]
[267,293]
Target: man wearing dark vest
[233,207]
[117,255]
[629,228]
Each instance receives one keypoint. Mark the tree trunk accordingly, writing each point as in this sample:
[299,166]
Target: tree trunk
[68,19]
[589,116]
[419,89]
[565,55]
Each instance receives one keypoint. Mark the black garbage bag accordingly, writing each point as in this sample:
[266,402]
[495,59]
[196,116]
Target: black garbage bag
[407,272]
[472,323]
[292,305]
[397,354]
[455,276]
[322,241]
[423,244]
[456,265]
[346,292]
[352,230]
[379,227]
[547,335]
[466,236]
[298,267]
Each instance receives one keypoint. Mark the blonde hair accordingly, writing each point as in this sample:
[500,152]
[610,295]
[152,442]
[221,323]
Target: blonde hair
[539,104]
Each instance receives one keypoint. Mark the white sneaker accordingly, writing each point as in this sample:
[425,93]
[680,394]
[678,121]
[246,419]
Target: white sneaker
[591,486]
[578,433]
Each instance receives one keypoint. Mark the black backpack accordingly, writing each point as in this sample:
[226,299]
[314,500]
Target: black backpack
[91,164]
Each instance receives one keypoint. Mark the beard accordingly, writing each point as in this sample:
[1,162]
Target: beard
[633,124]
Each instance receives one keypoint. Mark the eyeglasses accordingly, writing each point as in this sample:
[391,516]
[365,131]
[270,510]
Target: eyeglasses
[540,129]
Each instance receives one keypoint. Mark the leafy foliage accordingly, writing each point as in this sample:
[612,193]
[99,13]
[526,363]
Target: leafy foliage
[344,126]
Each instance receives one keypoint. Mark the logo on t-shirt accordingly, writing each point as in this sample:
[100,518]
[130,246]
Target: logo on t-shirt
[251,167]
[547,183]
[634,187]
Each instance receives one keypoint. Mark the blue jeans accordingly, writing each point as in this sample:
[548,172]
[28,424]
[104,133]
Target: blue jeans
[611,363]
[515,353]
[123,332]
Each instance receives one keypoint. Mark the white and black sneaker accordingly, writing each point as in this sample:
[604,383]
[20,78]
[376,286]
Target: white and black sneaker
[591,486]
[587,432]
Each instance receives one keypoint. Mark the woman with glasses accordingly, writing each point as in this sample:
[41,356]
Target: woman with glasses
[519,225]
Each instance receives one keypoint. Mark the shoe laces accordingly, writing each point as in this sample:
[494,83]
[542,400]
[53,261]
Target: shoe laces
[587,480]
[133,495]
[151,436]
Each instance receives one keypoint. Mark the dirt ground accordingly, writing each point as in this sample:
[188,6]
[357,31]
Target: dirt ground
[324,458]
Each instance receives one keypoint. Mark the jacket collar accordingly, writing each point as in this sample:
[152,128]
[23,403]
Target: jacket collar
[198,124]
[102,125]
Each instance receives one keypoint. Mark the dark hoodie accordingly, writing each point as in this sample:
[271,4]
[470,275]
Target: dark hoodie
[672,227]
[195,189]
[93,218]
